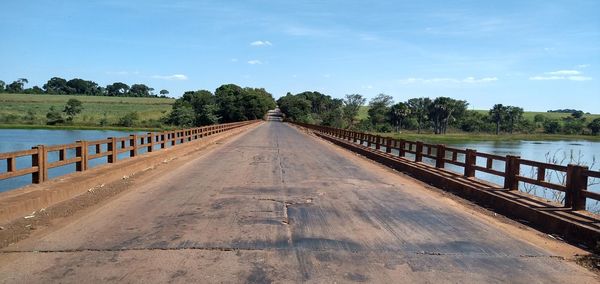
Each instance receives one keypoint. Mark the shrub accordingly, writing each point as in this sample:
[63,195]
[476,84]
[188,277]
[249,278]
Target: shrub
[129,119]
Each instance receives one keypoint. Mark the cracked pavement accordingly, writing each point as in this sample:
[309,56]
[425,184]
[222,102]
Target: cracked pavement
[276,205]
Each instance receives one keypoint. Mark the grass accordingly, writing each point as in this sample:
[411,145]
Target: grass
[15,107]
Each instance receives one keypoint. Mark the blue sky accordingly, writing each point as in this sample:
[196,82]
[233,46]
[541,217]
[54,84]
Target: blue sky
[537,54]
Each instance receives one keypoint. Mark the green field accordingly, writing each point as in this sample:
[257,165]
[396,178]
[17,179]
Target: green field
[15,109]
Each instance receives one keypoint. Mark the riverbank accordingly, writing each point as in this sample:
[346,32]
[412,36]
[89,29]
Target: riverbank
[459,138]
[79,127]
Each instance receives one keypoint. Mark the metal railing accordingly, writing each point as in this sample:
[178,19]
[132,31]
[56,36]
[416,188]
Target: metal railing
[506,167]
[111,147]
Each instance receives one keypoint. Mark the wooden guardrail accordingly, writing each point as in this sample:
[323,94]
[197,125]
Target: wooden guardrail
[110,147]
[506,167]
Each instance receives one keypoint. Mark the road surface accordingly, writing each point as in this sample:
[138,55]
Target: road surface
[276,205]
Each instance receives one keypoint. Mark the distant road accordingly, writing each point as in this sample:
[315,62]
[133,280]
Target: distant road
[275,205]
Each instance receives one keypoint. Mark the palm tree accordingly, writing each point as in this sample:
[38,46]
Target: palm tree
[497,114]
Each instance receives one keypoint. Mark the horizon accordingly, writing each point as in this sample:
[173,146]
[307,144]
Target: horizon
[537,55]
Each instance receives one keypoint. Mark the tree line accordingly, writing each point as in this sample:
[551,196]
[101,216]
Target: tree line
[424,114]
[229,103]
[76,86]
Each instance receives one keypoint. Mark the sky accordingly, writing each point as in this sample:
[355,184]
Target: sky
[539,55]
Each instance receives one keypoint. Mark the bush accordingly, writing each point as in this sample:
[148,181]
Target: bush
[54,116]
[552,126]
[129,119]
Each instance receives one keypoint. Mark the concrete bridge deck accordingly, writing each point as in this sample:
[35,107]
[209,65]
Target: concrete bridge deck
[276,205]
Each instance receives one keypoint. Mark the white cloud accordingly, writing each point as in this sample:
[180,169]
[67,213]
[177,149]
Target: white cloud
[571,75]
[261,43]
[544,78]
[254,62]
[583,66]
[174,77]
[468,80]
[564,72]
[579,78]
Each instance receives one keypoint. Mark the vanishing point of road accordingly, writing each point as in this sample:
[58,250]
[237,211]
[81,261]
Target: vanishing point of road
[274,204]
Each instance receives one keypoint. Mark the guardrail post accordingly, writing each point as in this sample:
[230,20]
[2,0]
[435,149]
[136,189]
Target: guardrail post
[81,152]
[354,137]
[512,168]
[172,138]
[388,145]
[419,152]
[576,183]
[369,140]
[151,141]
[11,164]
[440,156]
[470,160]
[401,148]
[112,148]
[39,160]
[377,142]
[133,144]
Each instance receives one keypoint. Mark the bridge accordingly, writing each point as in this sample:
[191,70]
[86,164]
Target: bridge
[263,202]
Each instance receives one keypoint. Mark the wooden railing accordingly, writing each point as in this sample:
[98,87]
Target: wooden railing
[508,167]
[111,147]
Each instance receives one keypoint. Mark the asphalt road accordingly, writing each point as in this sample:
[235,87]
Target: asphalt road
[276,205]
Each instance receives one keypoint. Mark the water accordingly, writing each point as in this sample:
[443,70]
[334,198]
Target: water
[555,152]
[23,139]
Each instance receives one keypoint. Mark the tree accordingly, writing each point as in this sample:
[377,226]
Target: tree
[514,116]
[34,90]
[497,115]
[117,89]
[398,113]
[352,104]
[202,105]
[442,110]
[419,109]
[17,86]
[82,87]
[296,108]
[182,114]
[379,107]
[72,108]
[54,116]
[2,86]
[594,126]
[552,126]
[164,92]
[56,85]
[140,90]
[577,114]
[228,98]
